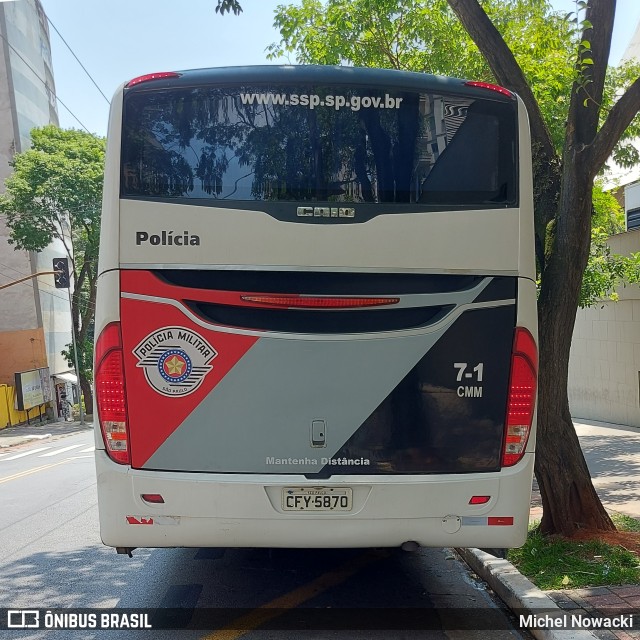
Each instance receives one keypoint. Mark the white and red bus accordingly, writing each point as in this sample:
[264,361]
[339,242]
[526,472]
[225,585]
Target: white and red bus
[316,314]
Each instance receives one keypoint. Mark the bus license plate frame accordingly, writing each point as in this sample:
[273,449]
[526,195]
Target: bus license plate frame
[314,499]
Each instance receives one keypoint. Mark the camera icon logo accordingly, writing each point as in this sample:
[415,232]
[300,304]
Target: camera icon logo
[23,619]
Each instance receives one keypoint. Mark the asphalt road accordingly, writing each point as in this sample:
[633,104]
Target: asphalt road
[52,558]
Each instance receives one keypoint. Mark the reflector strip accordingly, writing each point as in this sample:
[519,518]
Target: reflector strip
[319,302]
[478,521]
[154,498]
[139,519]
[479,499]
[506,521]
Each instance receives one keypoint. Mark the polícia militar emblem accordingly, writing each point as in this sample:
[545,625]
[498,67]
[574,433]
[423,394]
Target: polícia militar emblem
[175,360]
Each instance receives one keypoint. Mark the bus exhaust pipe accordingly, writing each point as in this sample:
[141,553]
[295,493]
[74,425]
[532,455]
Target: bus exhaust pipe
[410,545]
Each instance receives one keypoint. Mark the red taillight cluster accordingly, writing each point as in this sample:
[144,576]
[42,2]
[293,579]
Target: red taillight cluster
[111,398]
[522,396]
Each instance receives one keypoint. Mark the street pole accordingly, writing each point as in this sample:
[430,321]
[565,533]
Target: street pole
[75,358]
[62,280]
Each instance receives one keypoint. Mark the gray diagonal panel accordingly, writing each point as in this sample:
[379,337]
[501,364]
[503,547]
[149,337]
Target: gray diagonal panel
[265,405]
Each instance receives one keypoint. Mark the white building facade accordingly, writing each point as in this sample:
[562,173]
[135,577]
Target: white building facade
[35,322]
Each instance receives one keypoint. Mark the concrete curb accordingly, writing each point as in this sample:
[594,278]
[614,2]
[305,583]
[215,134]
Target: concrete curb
[519,593]
[12,441]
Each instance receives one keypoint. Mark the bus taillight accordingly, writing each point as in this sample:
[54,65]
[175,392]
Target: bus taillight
[317,302]
[162,75]
[522,396]
[110,393]
[490,86]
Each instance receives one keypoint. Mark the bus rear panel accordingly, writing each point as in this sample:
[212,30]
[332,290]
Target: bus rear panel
[316,320]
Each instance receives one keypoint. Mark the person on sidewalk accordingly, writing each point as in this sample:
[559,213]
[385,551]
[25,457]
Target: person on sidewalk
[64,409]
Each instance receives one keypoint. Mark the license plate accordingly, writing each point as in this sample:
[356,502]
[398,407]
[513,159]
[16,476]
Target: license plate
[316,499]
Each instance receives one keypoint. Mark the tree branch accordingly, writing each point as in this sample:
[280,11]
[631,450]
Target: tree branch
[504,66]
[386,44]
[546,163]
[619,118]
[586,95]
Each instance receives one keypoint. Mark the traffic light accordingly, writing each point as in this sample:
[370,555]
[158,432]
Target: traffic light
[61,277]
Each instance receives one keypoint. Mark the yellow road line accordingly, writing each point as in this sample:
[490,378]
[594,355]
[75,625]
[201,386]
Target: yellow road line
[296,597]
[22,474]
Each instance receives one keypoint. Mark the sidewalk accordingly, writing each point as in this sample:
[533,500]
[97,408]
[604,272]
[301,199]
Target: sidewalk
[612,452]
[600,600]
[21,434]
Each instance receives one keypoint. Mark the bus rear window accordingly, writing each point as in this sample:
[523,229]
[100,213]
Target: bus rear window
[323,144]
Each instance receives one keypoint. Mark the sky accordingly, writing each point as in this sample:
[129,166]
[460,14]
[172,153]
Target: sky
[117,40]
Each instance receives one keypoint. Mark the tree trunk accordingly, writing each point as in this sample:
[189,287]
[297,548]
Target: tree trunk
[85,385]
[569,500]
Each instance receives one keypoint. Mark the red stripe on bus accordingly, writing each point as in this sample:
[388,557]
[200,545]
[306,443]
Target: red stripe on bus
[146,283]
[152,416]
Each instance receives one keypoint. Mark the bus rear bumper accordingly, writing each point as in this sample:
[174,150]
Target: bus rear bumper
[218,510]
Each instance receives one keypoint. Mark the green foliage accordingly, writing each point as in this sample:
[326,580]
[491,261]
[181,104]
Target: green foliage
[618,80]
[55,185]
[85,356]
[606,272]
[226,6]
[543,43]
[584,61]
[427,37]
[55,193]
[608,215]
[554,563]
[625,523]
[383,33]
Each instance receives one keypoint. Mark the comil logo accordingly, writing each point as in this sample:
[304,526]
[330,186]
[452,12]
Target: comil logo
[175,360]
[326,212]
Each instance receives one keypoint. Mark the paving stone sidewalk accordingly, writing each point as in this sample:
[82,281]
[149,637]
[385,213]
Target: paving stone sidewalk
[597,601]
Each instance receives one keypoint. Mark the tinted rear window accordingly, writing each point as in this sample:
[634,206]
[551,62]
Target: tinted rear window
[319,144]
